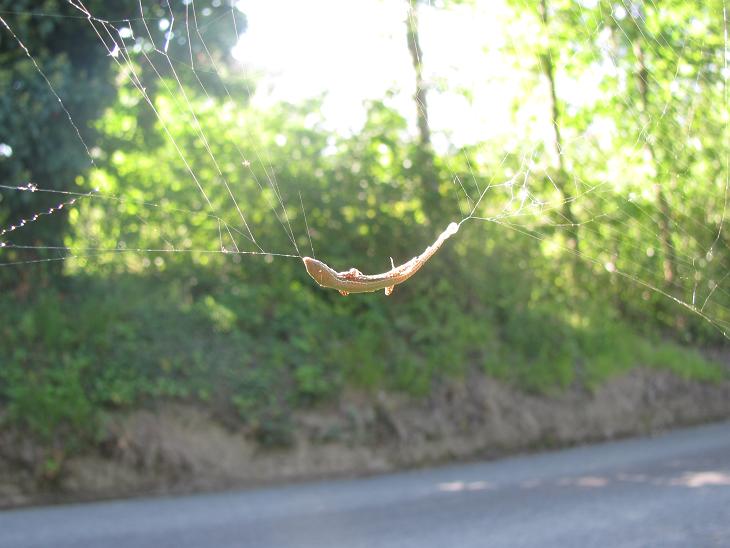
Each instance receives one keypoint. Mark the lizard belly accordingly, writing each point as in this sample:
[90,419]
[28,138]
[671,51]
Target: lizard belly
[364,285]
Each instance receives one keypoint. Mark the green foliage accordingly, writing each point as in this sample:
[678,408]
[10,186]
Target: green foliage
[50,400]
[34,124]
[119,341]
[51,100]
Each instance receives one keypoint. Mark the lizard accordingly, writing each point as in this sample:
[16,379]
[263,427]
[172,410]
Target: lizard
[354,281]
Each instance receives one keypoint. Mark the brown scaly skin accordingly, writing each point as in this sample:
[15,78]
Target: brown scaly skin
[354,281]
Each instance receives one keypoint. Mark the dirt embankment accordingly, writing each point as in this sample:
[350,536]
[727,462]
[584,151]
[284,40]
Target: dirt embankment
[181,448]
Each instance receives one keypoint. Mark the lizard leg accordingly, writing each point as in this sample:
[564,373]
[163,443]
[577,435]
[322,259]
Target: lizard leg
[389,290]
[351,274]
[343,293]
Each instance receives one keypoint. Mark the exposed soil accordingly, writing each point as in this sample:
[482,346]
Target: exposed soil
[182,448]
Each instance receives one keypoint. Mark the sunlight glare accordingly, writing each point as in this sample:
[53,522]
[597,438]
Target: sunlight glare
[349,53]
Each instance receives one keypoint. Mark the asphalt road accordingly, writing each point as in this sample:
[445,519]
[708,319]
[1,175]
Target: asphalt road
[671,490]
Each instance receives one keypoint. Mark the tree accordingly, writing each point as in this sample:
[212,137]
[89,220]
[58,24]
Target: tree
[639,34]
[560,178]
[58,66]
[54,89]
[424,151]
[669,57]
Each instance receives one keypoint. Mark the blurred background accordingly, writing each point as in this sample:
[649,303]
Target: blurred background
[164,166]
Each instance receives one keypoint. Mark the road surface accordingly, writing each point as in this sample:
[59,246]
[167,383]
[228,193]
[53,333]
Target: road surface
[671,490]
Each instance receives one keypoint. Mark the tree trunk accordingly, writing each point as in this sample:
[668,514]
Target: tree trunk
[669,266]
[424,160]
[561,176]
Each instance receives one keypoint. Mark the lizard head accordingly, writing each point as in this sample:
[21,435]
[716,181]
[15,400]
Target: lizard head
[318,270]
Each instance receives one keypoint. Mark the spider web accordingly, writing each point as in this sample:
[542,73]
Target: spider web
[126,51]
[523,118]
